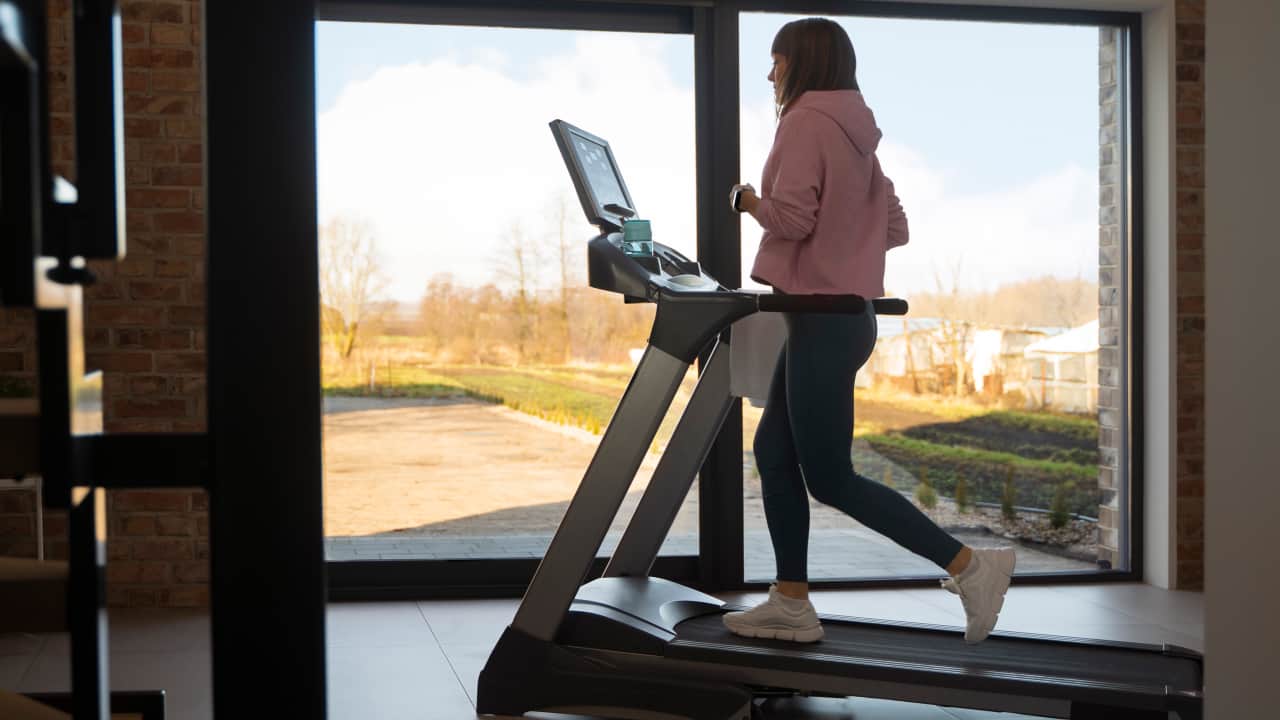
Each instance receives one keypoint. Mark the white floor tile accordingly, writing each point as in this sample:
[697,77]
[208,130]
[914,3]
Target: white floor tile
[376,625]
[390,683]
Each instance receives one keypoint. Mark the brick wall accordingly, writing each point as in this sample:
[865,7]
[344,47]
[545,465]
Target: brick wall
[1190,292]
[1110,297]
[145,316]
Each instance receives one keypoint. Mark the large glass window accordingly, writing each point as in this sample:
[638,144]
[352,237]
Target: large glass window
[995,405]
[468,368]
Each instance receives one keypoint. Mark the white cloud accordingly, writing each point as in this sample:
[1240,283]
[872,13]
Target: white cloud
[443,157]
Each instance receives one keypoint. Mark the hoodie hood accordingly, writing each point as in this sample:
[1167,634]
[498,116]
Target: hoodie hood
[849,110]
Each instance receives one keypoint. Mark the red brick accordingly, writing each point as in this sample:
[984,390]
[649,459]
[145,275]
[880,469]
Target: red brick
[118,549]
[163,549]
[137,80]
[190,152]
[155,339]
[185,596]
[149,244]
[156,152]
[171,58]
[134,266]
[202,526]
[179,80]
[188,245]
[138,525]
[1190,10]
[151,500]
[174,268]
[179,222]
[1190,136]
[60,101]
[136,597]
[202,549]
[158,198]
[119,315]
[183,128]
[133,572]
[180,362]
[170,12]
[199,500]
[191,572]
[137,175]
[150,290]
[11,361]
[187,315]
[176,525]
[124,362]
[167,34]
[182,175]
[148,385]
[151,408]
[165,105]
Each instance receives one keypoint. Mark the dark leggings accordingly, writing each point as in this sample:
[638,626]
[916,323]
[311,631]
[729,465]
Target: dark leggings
[806,437]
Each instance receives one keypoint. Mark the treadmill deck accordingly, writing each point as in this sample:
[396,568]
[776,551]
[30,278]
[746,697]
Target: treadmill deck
[934,655]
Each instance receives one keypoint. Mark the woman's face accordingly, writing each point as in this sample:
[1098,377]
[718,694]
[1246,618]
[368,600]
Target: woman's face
[777,71]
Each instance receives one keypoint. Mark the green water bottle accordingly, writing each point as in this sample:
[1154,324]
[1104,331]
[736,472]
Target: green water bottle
[637,238]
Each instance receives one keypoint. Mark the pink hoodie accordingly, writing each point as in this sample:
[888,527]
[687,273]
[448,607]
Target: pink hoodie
[829,213]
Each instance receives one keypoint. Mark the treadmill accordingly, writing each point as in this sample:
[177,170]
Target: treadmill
[629,645]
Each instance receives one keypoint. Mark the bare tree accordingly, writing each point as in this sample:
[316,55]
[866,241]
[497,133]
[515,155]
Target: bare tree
[351,281]
[955,327]
[567,255]
[519,266]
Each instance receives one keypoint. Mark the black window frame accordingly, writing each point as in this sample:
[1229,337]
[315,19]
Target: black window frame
[714,27]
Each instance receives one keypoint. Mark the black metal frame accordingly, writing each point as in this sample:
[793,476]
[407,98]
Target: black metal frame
[714,25]
[266,534]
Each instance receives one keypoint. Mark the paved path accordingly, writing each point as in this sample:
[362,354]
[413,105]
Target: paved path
[420,479]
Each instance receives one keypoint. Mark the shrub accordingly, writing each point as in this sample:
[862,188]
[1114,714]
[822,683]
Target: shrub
[1058,513]
[963,503]
[925,494]
[1008,497]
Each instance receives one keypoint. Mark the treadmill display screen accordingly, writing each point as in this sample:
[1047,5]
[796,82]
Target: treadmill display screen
[595,173]
[599,172]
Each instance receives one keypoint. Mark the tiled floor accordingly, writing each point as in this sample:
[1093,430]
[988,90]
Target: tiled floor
[421,659]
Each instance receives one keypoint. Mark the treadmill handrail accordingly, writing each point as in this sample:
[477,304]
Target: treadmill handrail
[849,304]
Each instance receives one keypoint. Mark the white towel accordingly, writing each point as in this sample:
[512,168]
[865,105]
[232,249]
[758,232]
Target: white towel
[755,343]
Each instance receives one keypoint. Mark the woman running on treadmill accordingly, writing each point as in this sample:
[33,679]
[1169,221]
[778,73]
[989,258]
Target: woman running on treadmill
[829,216]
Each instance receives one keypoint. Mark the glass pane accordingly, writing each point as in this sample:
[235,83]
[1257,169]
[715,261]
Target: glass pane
[468,368]
[994,405]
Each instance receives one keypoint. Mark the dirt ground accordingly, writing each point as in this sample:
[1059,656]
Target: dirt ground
[423,467]
[464,468]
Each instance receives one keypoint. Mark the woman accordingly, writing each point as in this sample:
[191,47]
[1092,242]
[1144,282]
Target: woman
[829,215]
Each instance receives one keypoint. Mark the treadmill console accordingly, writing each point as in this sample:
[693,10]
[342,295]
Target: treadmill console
[607,204]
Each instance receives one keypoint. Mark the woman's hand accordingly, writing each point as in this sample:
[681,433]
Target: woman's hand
[743,198]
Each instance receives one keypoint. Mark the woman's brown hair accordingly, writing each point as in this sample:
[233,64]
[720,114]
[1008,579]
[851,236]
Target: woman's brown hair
[819,57]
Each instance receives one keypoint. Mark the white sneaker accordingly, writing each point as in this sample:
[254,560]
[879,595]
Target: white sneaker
[981,588]
[779,617]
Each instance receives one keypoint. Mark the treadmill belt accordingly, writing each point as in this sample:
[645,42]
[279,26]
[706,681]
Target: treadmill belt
[929,649]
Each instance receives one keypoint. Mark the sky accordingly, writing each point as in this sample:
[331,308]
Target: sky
[438,137]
